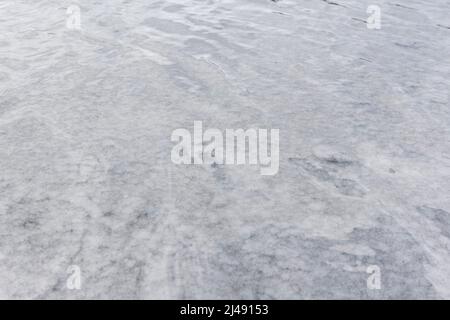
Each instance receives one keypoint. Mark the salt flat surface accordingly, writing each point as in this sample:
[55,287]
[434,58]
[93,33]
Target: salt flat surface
[86,177]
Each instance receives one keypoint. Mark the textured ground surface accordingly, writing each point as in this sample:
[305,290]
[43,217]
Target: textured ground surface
[86,178]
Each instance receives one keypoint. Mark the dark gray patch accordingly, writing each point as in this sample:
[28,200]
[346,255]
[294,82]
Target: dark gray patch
[167,26]
[349,187]
[439,217]
[276,262]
